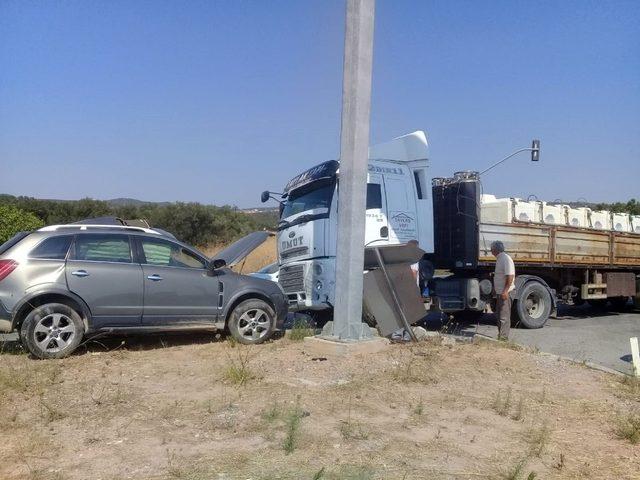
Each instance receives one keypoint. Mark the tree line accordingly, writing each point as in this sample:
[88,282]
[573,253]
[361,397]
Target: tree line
[192,223]
[632,207]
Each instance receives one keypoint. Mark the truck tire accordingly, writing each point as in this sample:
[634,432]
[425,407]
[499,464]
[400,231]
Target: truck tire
[533,307]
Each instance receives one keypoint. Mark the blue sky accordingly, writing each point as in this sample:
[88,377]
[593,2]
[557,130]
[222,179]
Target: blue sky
[215,101]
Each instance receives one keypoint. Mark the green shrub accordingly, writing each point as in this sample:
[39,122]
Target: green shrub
[14,220]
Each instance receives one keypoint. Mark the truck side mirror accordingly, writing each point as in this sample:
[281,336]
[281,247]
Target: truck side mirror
[535,150]
[264,198]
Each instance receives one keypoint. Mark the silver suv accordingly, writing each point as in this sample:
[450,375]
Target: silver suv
[65,282]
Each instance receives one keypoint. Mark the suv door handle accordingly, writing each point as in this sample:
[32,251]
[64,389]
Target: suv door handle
[80,273]
[154,278]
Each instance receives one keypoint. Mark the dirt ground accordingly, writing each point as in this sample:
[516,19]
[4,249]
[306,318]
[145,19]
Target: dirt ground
[197,407]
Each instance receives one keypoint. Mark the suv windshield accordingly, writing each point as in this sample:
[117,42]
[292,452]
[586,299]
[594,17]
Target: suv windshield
[309,198]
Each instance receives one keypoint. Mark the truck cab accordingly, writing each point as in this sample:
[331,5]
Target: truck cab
[398,209]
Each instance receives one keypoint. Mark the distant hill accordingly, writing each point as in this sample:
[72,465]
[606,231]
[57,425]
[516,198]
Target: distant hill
[132,202]
[271,210]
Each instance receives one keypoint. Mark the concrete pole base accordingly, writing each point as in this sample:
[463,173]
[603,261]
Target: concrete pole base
[332,347]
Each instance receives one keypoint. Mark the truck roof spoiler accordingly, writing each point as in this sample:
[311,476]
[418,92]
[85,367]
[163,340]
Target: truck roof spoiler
[406,148]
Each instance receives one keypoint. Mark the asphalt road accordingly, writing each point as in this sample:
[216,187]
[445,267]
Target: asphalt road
[579,333]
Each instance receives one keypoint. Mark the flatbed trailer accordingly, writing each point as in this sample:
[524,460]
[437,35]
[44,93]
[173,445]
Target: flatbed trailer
[554,263]
[531,244]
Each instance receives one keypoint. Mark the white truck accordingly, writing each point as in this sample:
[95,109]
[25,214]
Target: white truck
[398,209]
[554,261]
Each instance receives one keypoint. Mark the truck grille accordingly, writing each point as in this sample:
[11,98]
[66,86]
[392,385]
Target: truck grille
[294,252]
[291,278]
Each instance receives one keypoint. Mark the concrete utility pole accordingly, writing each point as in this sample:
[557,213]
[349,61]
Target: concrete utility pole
[354,156]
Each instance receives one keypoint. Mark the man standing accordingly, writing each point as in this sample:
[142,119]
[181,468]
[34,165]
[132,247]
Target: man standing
[503,283]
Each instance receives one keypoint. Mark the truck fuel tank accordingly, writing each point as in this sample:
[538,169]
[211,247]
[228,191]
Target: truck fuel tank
[457,293]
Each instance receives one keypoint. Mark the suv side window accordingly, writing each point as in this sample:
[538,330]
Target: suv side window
[168,254]
[53,248]
[99,247]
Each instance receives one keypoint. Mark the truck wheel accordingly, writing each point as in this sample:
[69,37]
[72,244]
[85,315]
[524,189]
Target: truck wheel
[252,321]
[533,306]
[53,330]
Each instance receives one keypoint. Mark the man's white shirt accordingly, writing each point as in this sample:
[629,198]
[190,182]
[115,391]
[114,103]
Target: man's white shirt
[504,267]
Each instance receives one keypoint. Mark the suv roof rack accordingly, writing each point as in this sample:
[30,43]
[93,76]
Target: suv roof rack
[55,228]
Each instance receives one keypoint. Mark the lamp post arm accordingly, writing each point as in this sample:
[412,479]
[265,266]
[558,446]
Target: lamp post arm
[528,149]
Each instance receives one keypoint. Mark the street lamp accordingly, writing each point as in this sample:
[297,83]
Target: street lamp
[535,155]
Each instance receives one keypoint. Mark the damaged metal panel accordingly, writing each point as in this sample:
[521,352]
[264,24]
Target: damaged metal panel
[390,294]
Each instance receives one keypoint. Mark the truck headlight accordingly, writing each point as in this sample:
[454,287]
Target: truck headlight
[319,285]
[317,269]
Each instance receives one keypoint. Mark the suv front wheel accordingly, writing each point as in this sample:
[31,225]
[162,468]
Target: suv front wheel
[252,321]
[53,330]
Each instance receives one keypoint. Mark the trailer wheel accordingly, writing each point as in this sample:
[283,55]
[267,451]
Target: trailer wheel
[533,307]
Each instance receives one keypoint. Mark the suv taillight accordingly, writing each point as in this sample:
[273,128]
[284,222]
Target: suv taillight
[6,267]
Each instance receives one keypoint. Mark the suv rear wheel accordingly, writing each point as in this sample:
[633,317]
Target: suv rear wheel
[252,321]
[53,330]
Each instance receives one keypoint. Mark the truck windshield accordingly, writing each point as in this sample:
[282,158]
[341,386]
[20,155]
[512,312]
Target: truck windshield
[309,198]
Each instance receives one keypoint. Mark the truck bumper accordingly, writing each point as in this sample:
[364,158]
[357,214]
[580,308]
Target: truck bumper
[308,284]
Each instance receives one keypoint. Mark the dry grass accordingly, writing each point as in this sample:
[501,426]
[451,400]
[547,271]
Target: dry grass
[629,388]
[351,429]
[292,421]
[238,371]
[502,402]
[148,412]
[628,427]
[300,330]
[538,438]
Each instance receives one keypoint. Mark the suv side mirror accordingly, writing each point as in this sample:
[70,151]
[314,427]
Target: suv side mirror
[264,198]
[216,264]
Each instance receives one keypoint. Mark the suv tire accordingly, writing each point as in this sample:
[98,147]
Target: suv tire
[53,330]
[252,322]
